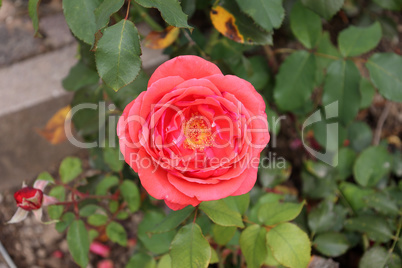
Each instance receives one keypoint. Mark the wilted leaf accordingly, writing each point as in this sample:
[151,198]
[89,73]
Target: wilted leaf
[233,24]
[54,131]
[163,39]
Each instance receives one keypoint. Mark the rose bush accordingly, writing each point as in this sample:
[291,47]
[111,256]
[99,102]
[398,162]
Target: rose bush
[195,134]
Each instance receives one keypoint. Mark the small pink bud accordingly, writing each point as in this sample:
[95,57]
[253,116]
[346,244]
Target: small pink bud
[58,254]
[105,264]
[29,198]
[100,249]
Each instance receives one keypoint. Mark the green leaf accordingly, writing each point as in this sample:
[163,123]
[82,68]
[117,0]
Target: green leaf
[214,256]
[173,219]
[385,72]
[190,248]
[170,10]
[274,212]
[78,242]
[389,4]
[131,195]
[269,14]
[376,228]
[118,55]
[359,136]
[80,75]
[90,209]
[290,245]
[266,198]
[371,165]
[342,85]
[346,159]
[165,262]
[367,92]
[80,18]
[33,6]
[105,184]
[69,169]
[355,41]
[270,260]
[65,222]
[97,219]
[104,11]
[45,176]
[381,202]
[116,233]
[229,20]
[355,195]
[221,214]
[305,25]
[156,243]
[55,212]
[331,244]
[238,203]
[222,234]
[112,159]
[142,260]
[326,217]
[375,257]
[253,245]
[324,8]
[296,72]
[326,54]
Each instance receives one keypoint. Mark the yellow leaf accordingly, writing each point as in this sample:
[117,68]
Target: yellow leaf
[163,39]
[54,131]
[225,23]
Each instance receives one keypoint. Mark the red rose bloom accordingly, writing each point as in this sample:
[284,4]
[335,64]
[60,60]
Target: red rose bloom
[195,134]
[29,198]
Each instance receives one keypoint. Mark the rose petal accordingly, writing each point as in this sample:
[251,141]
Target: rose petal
[174,206]
[154,180]
[40,184]
[19,216]
[187,67]
[243,90]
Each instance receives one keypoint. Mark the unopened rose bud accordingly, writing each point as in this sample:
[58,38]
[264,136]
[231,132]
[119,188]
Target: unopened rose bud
[29,198]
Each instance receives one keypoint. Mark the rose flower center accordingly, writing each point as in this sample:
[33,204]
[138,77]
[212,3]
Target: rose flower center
[198,133]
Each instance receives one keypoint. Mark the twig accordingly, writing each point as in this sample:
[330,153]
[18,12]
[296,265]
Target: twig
[7,257]
[271,58]
[381,121]
[128,10]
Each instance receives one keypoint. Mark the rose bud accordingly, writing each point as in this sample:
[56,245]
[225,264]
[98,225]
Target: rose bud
[195,134]
[31,199]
